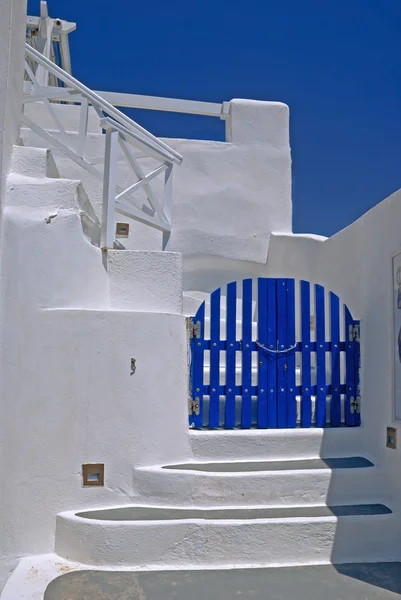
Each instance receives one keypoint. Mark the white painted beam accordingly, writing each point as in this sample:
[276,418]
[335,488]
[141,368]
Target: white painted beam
[192,107]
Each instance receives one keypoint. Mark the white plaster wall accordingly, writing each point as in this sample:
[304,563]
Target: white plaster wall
[356,264]
[12,37]
[228,196]
[72,319]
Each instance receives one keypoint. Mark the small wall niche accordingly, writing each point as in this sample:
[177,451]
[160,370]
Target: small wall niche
[122,230]
[391,439]
[93,474]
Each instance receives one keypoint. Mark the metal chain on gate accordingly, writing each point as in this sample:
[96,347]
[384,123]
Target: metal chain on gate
[276,351]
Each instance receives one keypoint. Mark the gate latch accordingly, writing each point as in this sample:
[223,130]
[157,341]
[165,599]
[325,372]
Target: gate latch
[194,329]
[194,406]
[355,405]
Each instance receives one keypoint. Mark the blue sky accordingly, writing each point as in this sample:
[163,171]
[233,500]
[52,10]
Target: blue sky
[336,63]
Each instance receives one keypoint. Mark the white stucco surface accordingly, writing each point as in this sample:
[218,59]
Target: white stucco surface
[214,543]
[12,37]
[71,325]
[228,196]
[357,264]
[137,279]
[74,319]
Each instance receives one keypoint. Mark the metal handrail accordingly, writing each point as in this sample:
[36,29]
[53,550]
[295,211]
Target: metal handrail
[94,99]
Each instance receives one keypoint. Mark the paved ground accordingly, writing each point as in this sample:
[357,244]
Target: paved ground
[343,582]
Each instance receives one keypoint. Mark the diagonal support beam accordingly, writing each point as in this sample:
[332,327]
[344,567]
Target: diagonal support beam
[153,201]
[142,183]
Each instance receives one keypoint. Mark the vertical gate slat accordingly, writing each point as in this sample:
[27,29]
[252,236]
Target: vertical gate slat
[198,358]
[281,357]
[357,345]
[291,362]
[320,416]
[246,407]
[262,358]
[335,406]
[214,412]
[272,357]
[231,333]
[306,398]
[349,368]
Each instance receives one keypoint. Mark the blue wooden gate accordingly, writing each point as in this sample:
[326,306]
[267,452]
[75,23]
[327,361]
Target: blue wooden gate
[288,367]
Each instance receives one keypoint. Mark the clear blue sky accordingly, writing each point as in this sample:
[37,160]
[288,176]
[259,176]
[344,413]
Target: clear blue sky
[336,63]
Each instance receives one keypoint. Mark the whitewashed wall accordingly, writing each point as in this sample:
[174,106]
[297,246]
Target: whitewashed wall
[228,196]
[72,319]
[12,37]
[356,264]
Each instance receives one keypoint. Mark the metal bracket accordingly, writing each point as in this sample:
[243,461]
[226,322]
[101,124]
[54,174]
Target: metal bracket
[194,329]
[194,406]
[355,405]
[354,333]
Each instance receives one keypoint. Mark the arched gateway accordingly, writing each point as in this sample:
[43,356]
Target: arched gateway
[271,354]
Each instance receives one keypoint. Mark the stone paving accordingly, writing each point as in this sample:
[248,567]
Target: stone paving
[377,581]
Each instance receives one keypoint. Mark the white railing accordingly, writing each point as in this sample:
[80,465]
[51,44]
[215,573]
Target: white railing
[50,37]
[123,135]
[189,107]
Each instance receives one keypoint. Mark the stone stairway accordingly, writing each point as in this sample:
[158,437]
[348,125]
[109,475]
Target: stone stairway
[289,499]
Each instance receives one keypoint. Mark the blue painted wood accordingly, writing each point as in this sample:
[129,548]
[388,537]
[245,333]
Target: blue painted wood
[214,412]
[231,333]
[335,404]
[262,356]
[276,372]
[271,357]
[320,418]
[281,357]
[357,346]
[349,416]
[306,400]
[246,406]
[198,367]
[291,362]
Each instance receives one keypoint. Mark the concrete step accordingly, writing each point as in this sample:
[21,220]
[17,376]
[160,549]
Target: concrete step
[277,444]
[33,162]
[176,537]
[42,192]
[302,482]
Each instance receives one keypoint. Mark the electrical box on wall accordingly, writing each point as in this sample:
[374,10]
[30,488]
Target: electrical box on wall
[93,474]
[391,440]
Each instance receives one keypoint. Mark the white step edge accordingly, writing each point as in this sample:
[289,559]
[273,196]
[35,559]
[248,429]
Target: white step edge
[33,162]
[278,444]
[268,488]
[235,543]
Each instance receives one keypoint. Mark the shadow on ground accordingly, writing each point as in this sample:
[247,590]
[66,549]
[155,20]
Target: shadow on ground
[377,581]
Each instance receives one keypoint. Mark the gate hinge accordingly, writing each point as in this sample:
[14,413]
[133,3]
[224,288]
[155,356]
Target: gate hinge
[194,406]
[194,329]
[354,333]
[355,405]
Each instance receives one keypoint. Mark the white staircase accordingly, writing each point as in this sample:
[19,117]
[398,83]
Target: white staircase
[247,498]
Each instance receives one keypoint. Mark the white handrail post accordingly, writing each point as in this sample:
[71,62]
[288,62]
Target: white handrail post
[168,201]
[83,127]
[109,189]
